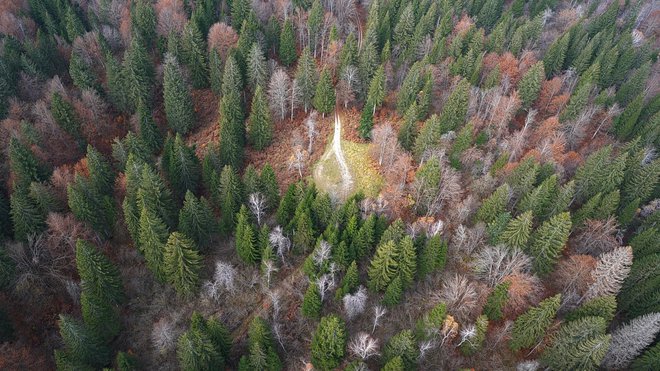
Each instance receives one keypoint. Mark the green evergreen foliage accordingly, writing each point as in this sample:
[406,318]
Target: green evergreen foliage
[153,235]
[176,96]
[553,60]
[100,317]
[99,277]
[65,116]
[541,199]
[312,305]
[287,206]
[307,76]
[531,326]
[149,131]
[257,72]
[153,195]
[579,344]
[143,21]
[376,92]
[261,347]
[366,123]
[407,256]
[215,71]
[644,243]
[232,128]
[269,187]
[408,131]
[81,347]
[625,124]
[648,360]
[182,264]
[181,166]
[548,241]
[427,325]
[246,244]
[194,55]
[329,343]
[475,343]
[205,346]
[349,282]
[138,75]
[303,237]
[81,72]
[530,84]
[126,362]
[384,266]
[576,104]
[394,364]
[494,204]
[324,97]
[25,166]
[287,50]
[261,128]
[26,217]
[196,220]
[603,306]
[322,212]
[496,301]
[393,292]
[600,173]
[229,198]
[402,345]
[634,85]
[517,232]
[91,205]
[432,257]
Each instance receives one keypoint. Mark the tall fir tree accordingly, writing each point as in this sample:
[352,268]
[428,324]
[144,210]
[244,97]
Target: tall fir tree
[194,55]
[261,127]
[176,96]
[182,263]
[245,240]
[531,326]
[579,344]
[230,198]
[329,343]
[261,349]
[287,50]
[82,350]
[548,241]
[307,76]
[530,84]
[324,98]
[196,220]
[138,74]
[153,234]
[384,266]
[181,166]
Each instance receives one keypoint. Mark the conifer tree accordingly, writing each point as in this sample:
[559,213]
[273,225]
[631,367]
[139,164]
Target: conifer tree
[324,98]
[25,166]
[153,195]
[194,55]
[232,128]
[196,219]
[91,206]
[138,74]
[176,96]
[531,326]
[599,174]
[195,351]
[215,71]
[603,306]
[496,301]
[517,231]
[307,77]
[261,347]
[494,205]
[260,129]
[366,123]
[541,199]
[576,104]
[402,345]
[181,166]
[579,344]
[432,256]
[153,235]
[257,72]
[349,282]
[329,343]
[530,84]
[553,60]
[149,131]
[474,343]
[312,305]
[393,292]
[81,348]
[143,21]
[408,131]
[376,93]
[182,264]
[287,51]
[269,187]
[81,72]
[407,261]
[303,237]
[384,266]
[230,198]
[246,244]
[625,124]
[548,241]
[648,359]
[65,116]
[287,206]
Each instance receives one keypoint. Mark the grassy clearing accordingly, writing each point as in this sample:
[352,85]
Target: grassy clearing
[327,174]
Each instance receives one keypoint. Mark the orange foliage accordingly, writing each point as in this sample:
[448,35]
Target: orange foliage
[509,67]
[464,24]
[222,38]
[525,290]
[573,274]
[171,16]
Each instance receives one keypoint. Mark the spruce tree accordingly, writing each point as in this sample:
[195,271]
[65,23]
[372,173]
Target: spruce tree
[153,195]
[530,84]
[329,343]
[181,166]
[324,98]
[176,96]
[246,244]
[143,21]
[579,344]
[269,187]
[548,241]
[625,124]
[349,282]
[312,305]
[261,348]
[287,50]
[261,127]
[496,301]
[541,199]
[432,257]
[81,72]
[204,346]
[517,231]
[648,360]
[66,117]
[229,198]
[149,131]
[182,264]
[576,104]
[307,76]
[384,266]
[153,235]
[232,128]
[91,205]
[603,306]
[287,207]
[531,326]
[138,74]
[303,237]
[494,205]
[408,131]
[26,217]
[366,123]
[376,92]
[81,347]
[407,261]
[99,277]
[194,55]
[24,165]
[393,292]
[196,219]
[553,60]
[402,345]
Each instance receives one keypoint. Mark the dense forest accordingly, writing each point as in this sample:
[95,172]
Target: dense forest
[329,184]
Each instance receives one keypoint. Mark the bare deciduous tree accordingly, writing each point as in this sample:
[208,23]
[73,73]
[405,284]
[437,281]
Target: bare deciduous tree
[355,304]
[492,264]
[310,125]
[297,160]
[379,312]
[257,203]
[460,295]
[295,95]
[597,237]
[364,346]
[384,143]
[223,281]
[164,336]
[278,92]
[281,242]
